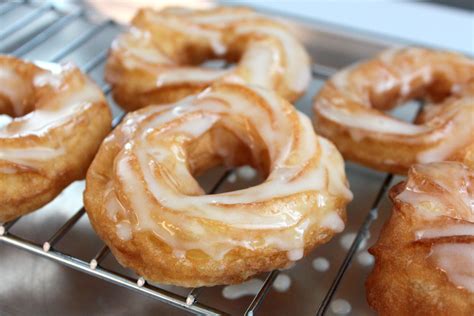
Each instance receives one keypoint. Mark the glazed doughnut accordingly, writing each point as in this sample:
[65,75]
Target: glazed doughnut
[348,109]
[158,60]
[57,119]
[144,202]
[424,259]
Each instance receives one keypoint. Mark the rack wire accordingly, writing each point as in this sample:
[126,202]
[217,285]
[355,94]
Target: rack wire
[93,267]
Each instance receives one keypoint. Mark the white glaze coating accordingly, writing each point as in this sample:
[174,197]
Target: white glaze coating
[271,52]
[62,95]
[295,57]
[29,156]
[8,170]
[295,254]
[333,222]
[138,45]
[457,136]
[457,260]
[152,164]
[190,74]
[442,197]
[44,118]
[456,198]
[371,121]
[182,25]
[350,101]
[466,229]
[223,18]
[260,63]
[124,230]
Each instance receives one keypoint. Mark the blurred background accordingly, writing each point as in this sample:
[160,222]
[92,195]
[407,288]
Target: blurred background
[439,23]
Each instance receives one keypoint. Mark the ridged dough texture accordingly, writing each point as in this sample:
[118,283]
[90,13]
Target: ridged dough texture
[424,258]
[58,120]
[349,109]
[144,202]
[158,60]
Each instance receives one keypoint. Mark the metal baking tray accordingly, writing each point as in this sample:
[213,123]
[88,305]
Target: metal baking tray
[40,281]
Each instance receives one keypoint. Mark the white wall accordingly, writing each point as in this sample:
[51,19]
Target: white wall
[425,23]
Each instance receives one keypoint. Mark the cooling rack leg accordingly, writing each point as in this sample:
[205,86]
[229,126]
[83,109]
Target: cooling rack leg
[58,235]
[193,295]
[141,281]
[103,252]
[5,227]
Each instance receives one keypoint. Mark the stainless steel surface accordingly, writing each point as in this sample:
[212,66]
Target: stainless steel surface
[330,280]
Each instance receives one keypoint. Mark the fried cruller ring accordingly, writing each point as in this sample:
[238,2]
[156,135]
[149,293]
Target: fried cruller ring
[158,59]
[348,109]
[59,120]
[424,258]
[144,202]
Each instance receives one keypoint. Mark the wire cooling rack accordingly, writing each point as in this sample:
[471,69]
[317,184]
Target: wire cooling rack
[33,29]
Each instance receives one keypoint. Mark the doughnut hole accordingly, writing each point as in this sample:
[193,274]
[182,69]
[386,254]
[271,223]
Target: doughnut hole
[225,145]
[385,90]
[400,97]
[217,63]
[222,147]
[432,91]
[17,96]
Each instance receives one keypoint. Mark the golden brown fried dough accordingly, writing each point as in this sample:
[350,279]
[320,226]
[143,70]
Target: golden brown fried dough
[424,258]
[158,60]
[348,109]
[144,202]
[59,120]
